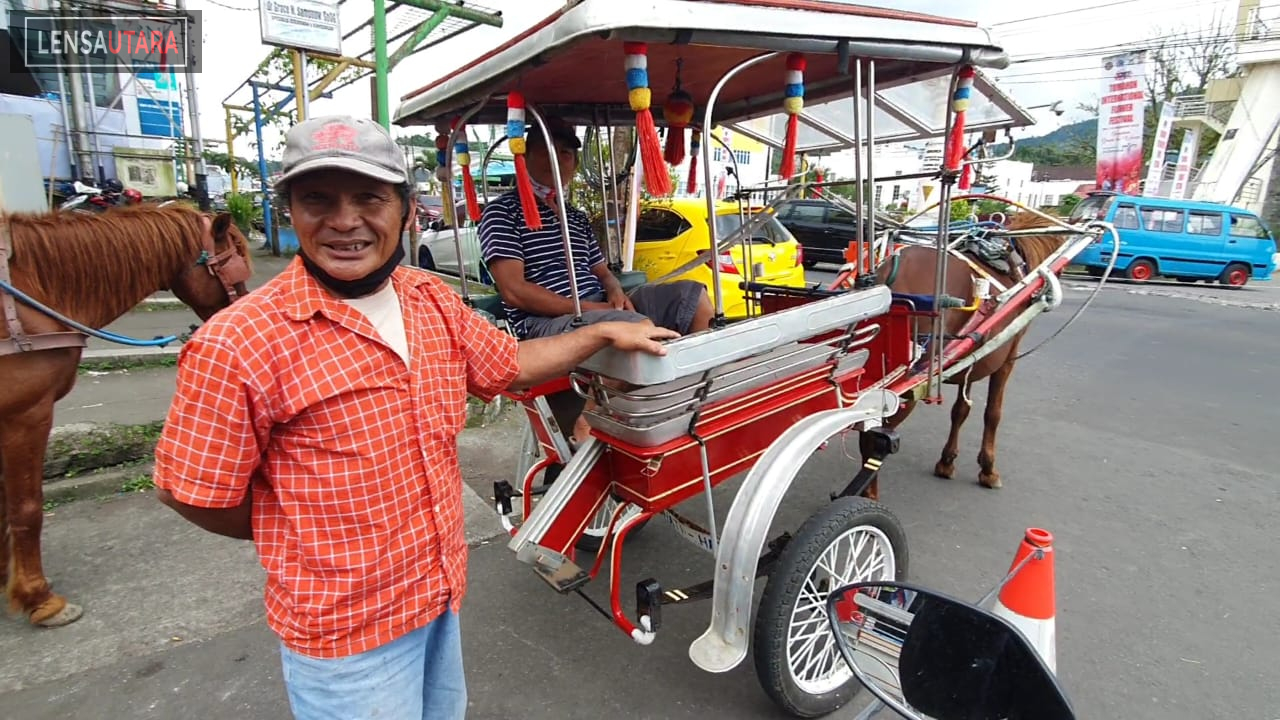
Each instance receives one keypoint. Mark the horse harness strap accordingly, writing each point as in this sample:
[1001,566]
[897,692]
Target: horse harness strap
[981,271]
[228,267]
[19,341]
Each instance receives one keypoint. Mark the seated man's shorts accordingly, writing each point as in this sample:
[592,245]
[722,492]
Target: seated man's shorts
[669,305]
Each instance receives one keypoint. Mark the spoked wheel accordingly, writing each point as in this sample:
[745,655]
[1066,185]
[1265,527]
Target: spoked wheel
[797,660]
[594,534]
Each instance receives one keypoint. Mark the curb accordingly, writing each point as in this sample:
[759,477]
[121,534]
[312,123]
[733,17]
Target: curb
[131,354]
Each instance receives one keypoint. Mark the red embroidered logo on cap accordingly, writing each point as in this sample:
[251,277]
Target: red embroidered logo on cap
[335,136]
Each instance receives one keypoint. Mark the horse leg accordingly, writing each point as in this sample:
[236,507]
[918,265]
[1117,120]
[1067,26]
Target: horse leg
[5,547]
[991,419]
[946,465]
[23,444]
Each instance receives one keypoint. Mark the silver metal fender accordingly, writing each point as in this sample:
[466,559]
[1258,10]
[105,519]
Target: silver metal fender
[724,644]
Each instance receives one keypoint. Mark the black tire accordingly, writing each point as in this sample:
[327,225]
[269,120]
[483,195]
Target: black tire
[1141,270]
[1235,275]
[782,591]
[425,261]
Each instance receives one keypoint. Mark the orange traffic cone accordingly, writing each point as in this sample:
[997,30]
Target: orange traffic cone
[1027,601]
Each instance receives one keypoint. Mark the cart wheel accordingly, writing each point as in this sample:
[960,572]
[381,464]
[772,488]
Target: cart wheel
[593,536]
[797,660]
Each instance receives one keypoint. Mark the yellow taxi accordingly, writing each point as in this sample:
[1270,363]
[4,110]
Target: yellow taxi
[671,233]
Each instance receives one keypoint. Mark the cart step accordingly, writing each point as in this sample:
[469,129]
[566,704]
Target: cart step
[559,571]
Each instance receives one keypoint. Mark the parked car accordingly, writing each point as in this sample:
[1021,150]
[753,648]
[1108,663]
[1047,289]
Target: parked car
[438,252]
[823,229]
[1186,240]
[669,234]
[672,233]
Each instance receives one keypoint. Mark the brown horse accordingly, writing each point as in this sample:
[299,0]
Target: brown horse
[917,274]
[91,269]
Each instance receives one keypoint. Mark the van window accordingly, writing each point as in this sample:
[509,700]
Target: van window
[1247,226]
[1161,220]
[1204,223]
[1092,208]
[659,225]
[771,232]
[1126,218]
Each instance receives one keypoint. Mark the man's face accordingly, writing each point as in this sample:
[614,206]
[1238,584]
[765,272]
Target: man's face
[540,168]
[347,223]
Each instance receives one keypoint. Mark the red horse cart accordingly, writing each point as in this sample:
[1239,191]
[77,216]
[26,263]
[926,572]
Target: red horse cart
[756,396]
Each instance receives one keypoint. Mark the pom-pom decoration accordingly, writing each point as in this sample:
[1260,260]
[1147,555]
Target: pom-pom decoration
[444,175]
[656,178]
[695,147]
[959,106]
[462,152]
[793,104]
[515,141]
[678,112]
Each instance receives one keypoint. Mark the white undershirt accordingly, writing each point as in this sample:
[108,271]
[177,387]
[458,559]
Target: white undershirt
[383,310]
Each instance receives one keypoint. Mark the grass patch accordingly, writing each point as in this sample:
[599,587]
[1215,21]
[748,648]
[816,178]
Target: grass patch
[136,362]
[73,453]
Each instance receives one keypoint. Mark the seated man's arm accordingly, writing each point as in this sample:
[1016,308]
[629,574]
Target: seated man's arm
[504,255]
[208,450]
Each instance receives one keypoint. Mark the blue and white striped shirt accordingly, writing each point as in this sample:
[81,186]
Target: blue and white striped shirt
[503,234]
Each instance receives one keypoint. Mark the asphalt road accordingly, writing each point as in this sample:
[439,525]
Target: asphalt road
[1143,437]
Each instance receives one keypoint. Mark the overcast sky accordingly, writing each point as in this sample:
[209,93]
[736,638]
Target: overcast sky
[1034,30]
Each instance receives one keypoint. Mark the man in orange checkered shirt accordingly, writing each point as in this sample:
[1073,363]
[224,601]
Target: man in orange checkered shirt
[317,416]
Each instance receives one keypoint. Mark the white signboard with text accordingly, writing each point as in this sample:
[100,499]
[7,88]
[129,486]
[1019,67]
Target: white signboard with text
[301,24]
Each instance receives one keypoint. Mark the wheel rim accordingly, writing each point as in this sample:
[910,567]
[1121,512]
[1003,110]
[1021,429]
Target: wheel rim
[1236,277]
[1141,272]
[600,523]
[814,662]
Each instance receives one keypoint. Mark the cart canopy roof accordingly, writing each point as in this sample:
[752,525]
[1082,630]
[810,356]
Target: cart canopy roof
[571,64]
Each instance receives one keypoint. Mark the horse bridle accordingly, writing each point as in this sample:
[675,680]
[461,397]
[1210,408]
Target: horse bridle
[227,266]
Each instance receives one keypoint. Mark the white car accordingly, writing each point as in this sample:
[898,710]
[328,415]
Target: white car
[437,252]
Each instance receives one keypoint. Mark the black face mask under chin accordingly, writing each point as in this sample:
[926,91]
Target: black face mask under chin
[355,288]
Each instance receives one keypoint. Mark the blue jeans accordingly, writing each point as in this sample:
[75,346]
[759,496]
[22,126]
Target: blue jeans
[418,675]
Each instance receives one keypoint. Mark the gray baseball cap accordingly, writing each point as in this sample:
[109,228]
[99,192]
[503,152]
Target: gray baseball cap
[342,142]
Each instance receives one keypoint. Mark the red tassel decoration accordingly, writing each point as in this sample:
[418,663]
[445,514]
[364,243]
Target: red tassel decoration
[960,106]
[793,103]
[656,178]
[695,147]
[462,153]
[515,141]
[678,112]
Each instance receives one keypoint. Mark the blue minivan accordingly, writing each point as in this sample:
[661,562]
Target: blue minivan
[1186,240]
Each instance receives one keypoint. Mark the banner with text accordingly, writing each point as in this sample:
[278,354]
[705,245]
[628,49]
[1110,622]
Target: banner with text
[1186,160]
[1159,149]
[1120,122]
[301,25]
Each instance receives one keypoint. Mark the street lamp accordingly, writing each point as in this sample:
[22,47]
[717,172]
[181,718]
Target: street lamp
[1055,107]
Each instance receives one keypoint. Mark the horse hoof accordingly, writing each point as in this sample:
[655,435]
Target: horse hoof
[42,616]
[990,480]
[944,470]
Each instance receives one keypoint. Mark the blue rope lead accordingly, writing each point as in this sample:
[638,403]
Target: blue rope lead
[100,334]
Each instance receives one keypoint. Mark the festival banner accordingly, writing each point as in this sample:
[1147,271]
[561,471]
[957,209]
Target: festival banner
[1159,148]
[1120,122]
[1186,160]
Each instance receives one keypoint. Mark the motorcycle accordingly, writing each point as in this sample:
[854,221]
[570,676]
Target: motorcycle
[85,197]
[928,656]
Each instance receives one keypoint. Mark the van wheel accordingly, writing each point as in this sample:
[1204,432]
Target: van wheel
[1236,275]
[1141,270]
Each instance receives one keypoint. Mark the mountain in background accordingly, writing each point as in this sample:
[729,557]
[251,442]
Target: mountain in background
[1067,136]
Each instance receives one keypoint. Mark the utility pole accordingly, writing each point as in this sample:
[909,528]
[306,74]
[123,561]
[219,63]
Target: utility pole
[76,121]
[193,101]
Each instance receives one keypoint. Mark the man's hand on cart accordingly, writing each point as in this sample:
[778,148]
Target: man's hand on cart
[543,359]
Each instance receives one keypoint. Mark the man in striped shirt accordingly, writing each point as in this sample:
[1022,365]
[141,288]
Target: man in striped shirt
[530,269]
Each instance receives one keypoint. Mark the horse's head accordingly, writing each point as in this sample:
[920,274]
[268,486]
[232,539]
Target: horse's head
[218,277]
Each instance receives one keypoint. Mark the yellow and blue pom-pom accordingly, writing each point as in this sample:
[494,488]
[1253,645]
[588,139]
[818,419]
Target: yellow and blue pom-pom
[655,171]
[793,103]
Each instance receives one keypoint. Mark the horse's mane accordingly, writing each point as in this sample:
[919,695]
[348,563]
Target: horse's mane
[102,260]
[1034,248]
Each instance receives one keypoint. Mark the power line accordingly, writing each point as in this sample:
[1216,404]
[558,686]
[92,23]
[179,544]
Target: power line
[1064,12]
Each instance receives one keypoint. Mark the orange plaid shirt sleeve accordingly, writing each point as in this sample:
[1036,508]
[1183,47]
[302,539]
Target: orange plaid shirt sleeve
[350,453]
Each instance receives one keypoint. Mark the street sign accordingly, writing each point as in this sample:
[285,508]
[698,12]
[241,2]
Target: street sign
[301,25]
